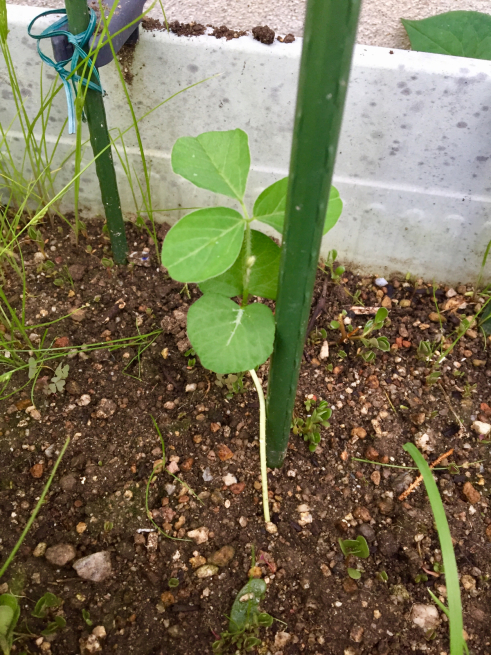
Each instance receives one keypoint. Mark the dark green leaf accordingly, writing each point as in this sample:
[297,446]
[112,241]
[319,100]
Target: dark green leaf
[263,280]
[229,338]
[270,206]
[217,161]
[246,604]
[203,244]
[458,33]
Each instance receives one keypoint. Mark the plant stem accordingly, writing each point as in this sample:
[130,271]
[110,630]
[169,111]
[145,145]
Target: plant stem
[35,512]
[78,20]
[262,447]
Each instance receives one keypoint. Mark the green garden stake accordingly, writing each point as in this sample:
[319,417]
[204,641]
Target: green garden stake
[329,37]
[78,19]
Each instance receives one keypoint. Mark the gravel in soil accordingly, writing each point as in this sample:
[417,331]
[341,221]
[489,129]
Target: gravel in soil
[95,517]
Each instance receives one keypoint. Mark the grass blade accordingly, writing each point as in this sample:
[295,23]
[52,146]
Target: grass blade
[449,562]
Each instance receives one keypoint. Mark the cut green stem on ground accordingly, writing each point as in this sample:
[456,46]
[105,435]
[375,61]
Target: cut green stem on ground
[456,624]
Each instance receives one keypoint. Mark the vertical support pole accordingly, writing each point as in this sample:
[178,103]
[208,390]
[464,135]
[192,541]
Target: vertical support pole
[329,37]
[78,20]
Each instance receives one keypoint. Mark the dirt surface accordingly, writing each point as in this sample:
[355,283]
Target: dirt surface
[97,501]
[264,34]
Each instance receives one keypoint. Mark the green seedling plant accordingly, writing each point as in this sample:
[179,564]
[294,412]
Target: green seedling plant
[454,610]
[317,335]
[217,249]
[57,384]
[245,620]
[9,616]
[86,617]
[370,344]
[233,382]
[309,427]
[355,547]
[337,272]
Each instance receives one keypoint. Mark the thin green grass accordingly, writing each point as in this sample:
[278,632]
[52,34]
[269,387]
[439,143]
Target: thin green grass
[155,471]
[454,611]
[32,518]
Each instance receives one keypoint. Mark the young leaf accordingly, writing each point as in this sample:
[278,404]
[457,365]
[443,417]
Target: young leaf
[203,244]
[229,338]
[44,603]
[9,615]
[457,33]
[334,210]
[357,547]
[270,206]
[217,161]
[354,574]
[381,315]
[246,604]
[263,280]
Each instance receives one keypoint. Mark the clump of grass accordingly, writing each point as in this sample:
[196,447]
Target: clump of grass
[454,611]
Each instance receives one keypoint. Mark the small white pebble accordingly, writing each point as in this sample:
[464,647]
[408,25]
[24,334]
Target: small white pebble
[381,282]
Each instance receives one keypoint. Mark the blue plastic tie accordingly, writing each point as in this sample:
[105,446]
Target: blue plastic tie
[79,41]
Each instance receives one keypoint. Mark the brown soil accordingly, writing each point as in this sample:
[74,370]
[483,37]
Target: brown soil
[264,34]
[225,32]
[187,29]
[97,504]
[260,33]
[125,58]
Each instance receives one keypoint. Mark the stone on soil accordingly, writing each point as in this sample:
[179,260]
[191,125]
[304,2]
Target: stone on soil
[61,554]
[105,408]
[206,571]
[199,536]
[222,557]
[95,567]
[472,495]
[425,616]
[481,428]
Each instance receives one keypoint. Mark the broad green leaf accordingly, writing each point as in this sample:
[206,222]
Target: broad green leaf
[9,615]
[334,210]
[270,206]
[263,280]
[217,161]
[229,338]
[203,244]
[246,604]
[458,33]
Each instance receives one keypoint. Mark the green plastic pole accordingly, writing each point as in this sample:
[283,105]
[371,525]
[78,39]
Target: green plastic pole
[329,37]
[78,19]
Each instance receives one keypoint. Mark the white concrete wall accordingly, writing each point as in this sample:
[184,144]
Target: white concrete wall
[414,159]
[379,25]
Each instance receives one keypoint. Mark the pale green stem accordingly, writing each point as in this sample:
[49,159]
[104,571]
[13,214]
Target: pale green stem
[262,444]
